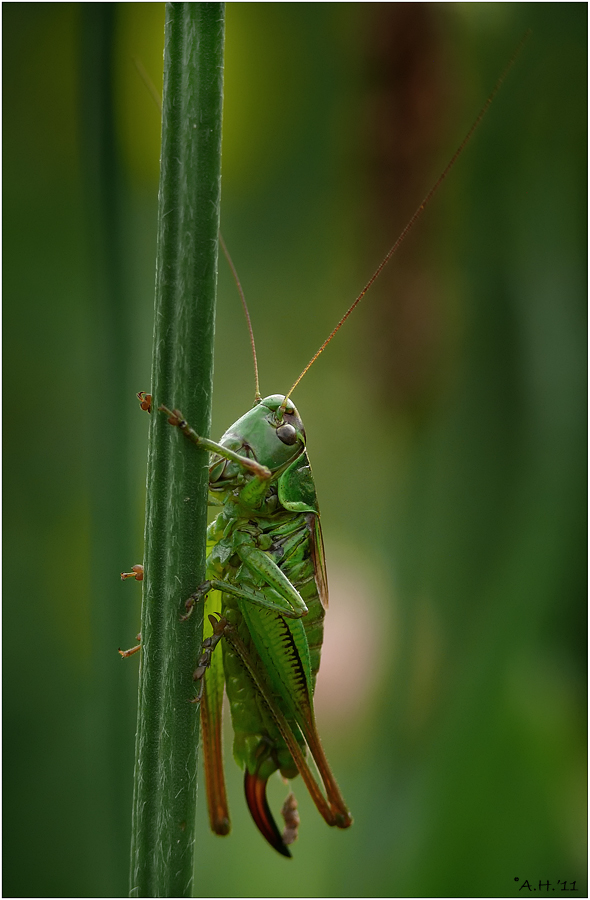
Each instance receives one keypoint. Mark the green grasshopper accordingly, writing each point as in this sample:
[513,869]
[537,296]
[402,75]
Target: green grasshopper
[265,593]
[265,597]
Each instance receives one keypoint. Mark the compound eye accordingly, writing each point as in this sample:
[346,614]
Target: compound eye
[287,434]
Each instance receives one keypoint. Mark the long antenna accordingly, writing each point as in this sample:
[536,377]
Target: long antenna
[257,396]
[417,214]
[141,71]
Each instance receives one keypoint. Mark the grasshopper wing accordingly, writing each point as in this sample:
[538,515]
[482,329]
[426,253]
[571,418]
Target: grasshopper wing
[297,493]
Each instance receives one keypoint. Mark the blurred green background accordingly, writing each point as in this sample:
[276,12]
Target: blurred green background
[446,426]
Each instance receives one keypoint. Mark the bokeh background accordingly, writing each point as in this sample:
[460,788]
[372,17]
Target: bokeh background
[446,426]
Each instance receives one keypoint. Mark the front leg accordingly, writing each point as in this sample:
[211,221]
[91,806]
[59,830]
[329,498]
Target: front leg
[176,418]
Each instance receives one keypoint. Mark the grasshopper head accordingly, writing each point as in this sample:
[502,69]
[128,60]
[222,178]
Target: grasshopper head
[266,433]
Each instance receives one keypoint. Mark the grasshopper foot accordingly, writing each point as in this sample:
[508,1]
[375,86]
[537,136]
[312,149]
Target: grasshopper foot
[175,417]
[209,645]
[194,598]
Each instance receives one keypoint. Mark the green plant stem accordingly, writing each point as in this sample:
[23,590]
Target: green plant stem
[176,512]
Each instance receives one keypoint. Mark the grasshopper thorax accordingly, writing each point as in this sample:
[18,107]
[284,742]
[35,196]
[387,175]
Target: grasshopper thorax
[272,436]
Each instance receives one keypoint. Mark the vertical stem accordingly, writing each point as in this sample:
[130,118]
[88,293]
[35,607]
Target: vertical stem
[176,513]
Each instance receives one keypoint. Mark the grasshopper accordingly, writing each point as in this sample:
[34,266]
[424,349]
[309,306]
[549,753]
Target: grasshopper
[266,594]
